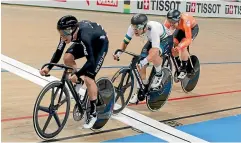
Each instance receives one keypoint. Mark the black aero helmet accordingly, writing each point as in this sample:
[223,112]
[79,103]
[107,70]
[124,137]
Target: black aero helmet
[174,15]
[140,20]
[67,21]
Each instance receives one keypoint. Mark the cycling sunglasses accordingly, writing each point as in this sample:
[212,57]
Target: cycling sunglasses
[172,21]
[66,32]
[137,27]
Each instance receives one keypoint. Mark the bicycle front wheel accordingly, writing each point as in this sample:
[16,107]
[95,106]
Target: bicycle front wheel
[51,99]
[123,82]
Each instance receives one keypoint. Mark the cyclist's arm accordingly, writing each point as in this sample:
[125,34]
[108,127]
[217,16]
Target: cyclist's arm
[188,35]
[127,38]
[123,46]
[89,66]
[58,53]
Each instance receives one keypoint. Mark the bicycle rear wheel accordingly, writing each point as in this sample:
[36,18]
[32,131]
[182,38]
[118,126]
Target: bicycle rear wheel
[106,101]
[123,82]
[191,80]
[54,89]
[157,98]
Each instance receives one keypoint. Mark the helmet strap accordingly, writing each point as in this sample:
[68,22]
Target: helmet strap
[74,34]
[143,30]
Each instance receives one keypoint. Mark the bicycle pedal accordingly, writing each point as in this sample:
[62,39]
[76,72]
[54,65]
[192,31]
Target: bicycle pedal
[181,79]
[159,91]
[141,98]
[156,89]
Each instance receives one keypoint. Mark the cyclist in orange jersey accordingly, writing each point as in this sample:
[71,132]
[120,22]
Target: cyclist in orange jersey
[186,30]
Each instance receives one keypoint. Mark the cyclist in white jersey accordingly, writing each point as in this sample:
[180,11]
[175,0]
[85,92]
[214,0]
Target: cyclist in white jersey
[159,42]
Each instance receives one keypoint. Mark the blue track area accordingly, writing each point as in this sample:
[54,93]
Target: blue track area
[226,129]
[138,138]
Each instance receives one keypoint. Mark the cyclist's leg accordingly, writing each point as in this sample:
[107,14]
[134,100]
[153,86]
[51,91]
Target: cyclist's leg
[181,55]
[195,31]
[90,81]
[155,58]
[165,47]
[74,52]
[177,35]
[184,53]
[100,56]
[144,54]
[181,36]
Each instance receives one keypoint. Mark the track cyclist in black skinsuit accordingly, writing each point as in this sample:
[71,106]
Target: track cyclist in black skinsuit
[90,41]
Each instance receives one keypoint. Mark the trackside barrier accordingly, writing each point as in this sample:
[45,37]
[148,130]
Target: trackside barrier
[198,8]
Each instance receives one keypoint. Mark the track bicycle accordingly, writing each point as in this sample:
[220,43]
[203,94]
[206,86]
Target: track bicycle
[60,95]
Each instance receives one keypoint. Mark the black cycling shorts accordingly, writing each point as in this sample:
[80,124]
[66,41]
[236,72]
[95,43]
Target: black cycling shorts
[165,46]
[100,50]
[179,34]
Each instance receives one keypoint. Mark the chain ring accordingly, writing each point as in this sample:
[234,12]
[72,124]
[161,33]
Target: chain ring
[76,114]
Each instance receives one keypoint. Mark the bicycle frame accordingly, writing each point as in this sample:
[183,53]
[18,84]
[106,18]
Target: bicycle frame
[80,103]
[170,56]
[65,79]
[75,94]
[133,68]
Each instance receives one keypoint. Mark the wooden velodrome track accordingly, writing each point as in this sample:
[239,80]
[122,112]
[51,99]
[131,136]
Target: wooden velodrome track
[29,36]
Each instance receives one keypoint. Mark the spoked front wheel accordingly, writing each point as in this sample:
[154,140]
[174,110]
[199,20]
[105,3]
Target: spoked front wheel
[50,102]
[123,82]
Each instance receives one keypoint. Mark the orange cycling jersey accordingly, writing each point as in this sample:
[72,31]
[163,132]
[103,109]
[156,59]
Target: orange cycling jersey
[187,22]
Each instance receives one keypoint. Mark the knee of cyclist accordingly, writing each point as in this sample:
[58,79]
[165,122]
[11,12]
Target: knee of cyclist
[68,59]
[155,54]
[176,42]
[184,51]
[89,81]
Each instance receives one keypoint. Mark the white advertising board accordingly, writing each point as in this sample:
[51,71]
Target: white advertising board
[197,8]
[97,5]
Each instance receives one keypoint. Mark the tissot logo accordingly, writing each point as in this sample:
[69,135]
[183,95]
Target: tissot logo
[232,9]
[199,7]
[146,4]
[88,2]
[191,7]
[159,5]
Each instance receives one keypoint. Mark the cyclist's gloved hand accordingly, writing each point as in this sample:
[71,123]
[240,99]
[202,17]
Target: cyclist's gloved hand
[117,54]
[143,63]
